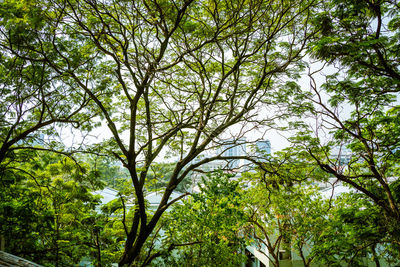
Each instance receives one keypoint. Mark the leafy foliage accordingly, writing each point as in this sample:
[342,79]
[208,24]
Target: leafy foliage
[171,79]
[366,234]
[356,134]
[205,229]
[285,211]
[48,214]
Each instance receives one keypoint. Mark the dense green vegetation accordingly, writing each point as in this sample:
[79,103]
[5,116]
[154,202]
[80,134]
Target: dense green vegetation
[171,82]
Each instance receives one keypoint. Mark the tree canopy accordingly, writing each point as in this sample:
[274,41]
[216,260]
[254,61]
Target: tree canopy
[173,82]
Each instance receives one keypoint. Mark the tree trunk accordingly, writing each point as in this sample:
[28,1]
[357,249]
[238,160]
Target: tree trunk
[376,259]
[98,250]
[2,243]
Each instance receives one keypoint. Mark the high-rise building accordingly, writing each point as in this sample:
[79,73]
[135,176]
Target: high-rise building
[263,148]
[234,148]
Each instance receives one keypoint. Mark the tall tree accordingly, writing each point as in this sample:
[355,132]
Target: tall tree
[356,136]
[172,76]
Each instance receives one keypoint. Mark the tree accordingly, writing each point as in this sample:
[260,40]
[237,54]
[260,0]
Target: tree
[285,211]
[171,75]
[48,214]
[356,137]
[364,234]
[206,228]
